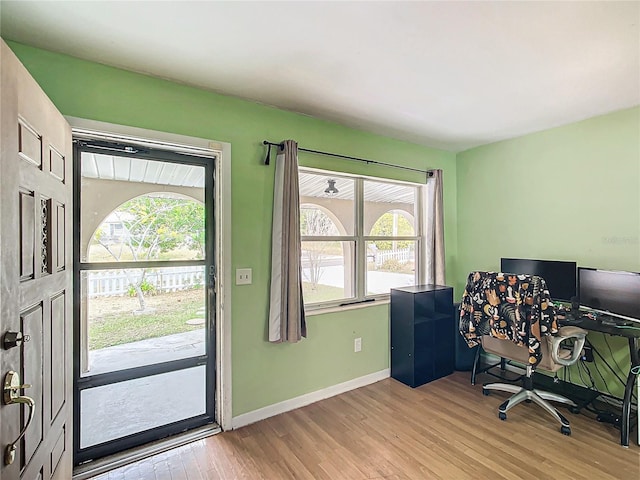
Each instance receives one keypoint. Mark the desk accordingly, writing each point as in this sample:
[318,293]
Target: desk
[613,326]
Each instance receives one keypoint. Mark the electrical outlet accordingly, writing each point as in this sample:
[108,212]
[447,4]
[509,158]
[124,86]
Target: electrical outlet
[243,276]
[357,344]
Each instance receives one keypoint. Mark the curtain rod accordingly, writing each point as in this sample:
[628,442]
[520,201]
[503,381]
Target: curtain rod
[429,173]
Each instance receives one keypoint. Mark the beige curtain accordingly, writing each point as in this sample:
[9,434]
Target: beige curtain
[286,308]
[434,235]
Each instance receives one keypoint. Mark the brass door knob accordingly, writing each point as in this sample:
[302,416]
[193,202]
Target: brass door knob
[11,395]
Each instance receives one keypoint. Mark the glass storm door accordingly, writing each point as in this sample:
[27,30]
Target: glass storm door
[144,282]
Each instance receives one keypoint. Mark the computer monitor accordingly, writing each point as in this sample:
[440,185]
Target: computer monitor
[560,276]
[610,291]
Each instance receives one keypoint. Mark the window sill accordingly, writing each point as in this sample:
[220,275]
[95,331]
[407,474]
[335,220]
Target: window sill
[343,308]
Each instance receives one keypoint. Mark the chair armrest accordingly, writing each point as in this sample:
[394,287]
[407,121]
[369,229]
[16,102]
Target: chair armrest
[565,333]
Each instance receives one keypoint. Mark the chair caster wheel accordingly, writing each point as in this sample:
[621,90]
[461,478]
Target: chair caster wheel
[565,430]
[574,410]
[503,416]
[485,392]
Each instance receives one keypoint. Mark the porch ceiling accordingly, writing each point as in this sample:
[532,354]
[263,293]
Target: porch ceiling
[314,185]
[110,167]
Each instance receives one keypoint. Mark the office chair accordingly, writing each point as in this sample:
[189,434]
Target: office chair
[512,317]
[555,355]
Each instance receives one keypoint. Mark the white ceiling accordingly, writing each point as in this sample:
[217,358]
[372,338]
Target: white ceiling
[450,75]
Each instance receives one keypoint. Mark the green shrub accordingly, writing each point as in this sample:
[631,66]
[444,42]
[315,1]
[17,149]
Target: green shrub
[391,265]
[388,245]
[146,287]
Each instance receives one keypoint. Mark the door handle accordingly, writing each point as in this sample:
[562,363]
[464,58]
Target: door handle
[10,396]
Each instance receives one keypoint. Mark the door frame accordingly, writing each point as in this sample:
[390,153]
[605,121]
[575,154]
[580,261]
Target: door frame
[221,154]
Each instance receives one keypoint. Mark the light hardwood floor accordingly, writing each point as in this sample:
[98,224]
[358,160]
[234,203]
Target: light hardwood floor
[443,430]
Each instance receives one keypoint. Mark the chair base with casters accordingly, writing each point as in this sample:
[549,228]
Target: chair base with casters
[530,394]
[555,355]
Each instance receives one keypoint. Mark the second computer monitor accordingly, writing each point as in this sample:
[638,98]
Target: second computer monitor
[559,275]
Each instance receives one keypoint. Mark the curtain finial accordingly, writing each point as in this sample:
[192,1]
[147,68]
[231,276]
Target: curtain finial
[267,159]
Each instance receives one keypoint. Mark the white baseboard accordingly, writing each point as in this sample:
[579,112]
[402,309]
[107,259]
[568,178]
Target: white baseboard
[308,398]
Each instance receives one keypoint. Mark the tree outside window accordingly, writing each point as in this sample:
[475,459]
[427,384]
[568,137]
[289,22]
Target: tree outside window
[150,228]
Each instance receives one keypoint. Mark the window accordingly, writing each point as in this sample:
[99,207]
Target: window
[359,237]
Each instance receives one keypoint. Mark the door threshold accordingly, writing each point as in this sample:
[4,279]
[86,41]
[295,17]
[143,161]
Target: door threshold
[102,465]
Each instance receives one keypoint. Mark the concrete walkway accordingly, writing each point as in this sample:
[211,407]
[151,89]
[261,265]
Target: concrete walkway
[147,352]
[120,409]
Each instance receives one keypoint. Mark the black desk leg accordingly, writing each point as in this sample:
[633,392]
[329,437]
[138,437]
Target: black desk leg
[628,390]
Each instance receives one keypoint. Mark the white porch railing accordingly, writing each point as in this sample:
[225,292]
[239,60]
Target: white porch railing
[402,256]
[117,282]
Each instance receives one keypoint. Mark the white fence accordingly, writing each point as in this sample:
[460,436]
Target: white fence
[118,282]
[402,256]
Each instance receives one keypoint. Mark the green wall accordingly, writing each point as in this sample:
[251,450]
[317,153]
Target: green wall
[569,193]
[263,373]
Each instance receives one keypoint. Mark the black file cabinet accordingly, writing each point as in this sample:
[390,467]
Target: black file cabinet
[423,331]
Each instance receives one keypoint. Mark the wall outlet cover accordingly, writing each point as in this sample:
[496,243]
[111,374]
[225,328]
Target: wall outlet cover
[243,276]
